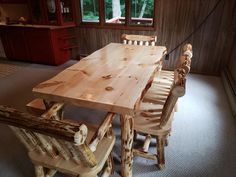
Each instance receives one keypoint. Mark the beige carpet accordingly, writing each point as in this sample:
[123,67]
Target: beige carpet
[8,69]
[202,143]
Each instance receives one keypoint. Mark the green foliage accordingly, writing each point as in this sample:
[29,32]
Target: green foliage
[137,8]
[108,9]
[90,8]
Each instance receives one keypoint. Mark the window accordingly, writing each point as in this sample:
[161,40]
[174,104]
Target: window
[115,11]
[121,14]
[89,10]
[142,12]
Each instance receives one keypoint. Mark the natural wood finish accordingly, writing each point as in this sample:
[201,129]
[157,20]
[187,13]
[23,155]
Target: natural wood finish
[127,134]
[146,143]
[62,144]
[123,76]
[54,112]
[28,135]
[46,145]
[139,39]
[51,172]
[160,152]
[36,107]
[158,105]
[39,171]
[131,39]
[120,68]
[104,127]
[62,130]
[109,169]
[146,155]
[28,144]
[61,150]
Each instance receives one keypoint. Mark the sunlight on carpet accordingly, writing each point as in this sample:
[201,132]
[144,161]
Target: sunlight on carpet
[8,69]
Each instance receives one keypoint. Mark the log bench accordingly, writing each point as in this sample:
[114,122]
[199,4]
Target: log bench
[70,147]
[155,116]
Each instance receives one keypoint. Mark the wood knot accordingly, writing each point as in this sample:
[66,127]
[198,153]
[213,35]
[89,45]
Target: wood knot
[85,72]
[107,76]
[109,88]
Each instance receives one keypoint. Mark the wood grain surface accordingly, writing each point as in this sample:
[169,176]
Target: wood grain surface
[112,78]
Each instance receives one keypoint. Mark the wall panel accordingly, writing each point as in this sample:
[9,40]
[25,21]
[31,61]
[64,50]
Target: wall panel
[177,19]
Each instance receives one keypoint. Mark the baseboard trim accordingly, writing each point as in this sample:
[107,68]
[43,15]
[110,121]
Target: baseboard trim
[230,88]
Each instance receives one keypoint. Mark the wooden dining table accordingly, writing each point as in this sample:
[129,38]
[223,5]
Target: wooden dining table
[112,79]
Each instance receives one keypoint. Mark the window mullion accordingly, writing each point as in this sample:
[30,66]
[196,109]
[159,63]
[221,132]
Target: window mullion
[127,12]
[155,15]
[101,12]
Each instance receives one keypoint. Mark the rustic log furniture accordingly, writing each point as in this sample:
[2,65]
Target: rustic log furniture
[157,107]
[62,145]
[132,39]
[113,79]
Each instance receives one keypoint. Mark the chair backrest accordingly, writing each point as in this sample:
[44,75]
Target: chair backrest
[54,137]
[185,59]
[178,87]
[139,39]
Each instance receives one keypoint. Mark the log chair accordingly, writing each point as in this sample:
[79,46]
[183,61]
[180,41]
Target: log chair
[132,39]
[154,118]
[63,145]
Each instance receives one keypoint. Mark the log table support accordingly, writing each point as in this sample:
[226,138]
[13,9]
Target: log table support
[55,110]
[114,87]
[127,133]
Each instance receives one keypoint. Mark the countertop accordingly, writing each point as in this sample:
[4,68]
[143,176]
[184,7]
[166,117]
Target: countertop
[36,26]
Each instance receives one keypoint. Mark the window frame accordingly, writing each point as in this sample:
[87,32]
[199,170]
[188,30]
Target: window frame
[126,26]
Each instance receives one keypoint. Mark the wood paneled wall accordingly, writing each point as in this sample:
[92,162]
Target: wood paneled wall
[232,64]
[212,44]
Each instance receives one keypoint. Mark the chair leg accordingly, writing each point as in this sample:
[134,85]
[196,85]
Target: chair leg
[166,141]
[160,152]
[110,167]
[51,172]
[88,175]
[176,107]
[39,171]
[146,143]
[135,135]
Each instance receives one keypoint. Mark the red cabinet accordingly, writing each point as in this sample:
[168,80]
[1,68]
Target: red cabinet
[53,12]
[14,44]
[49,45]
[40,47]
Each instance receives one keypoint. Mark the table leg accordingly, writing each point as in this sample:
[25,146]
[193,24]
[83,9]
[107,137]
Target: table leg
[57,109]
[127,133]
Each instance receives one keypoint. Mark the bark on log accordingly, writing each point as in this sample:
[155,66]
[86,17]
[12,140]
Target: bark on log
[54,128]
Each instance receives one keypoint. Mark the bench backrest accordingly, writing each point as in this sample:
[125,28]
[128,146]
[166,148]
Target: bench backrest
[178,87]
[53,137]
[139,39]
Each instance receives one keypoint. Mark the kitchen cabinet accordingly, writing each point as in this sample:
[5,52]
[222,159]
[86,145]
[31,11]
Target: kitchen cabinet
[37,43]
[53,12]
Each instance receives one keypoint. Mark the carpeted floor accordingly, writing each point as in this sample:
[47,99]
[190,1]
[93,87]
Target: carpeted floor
[202,144]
